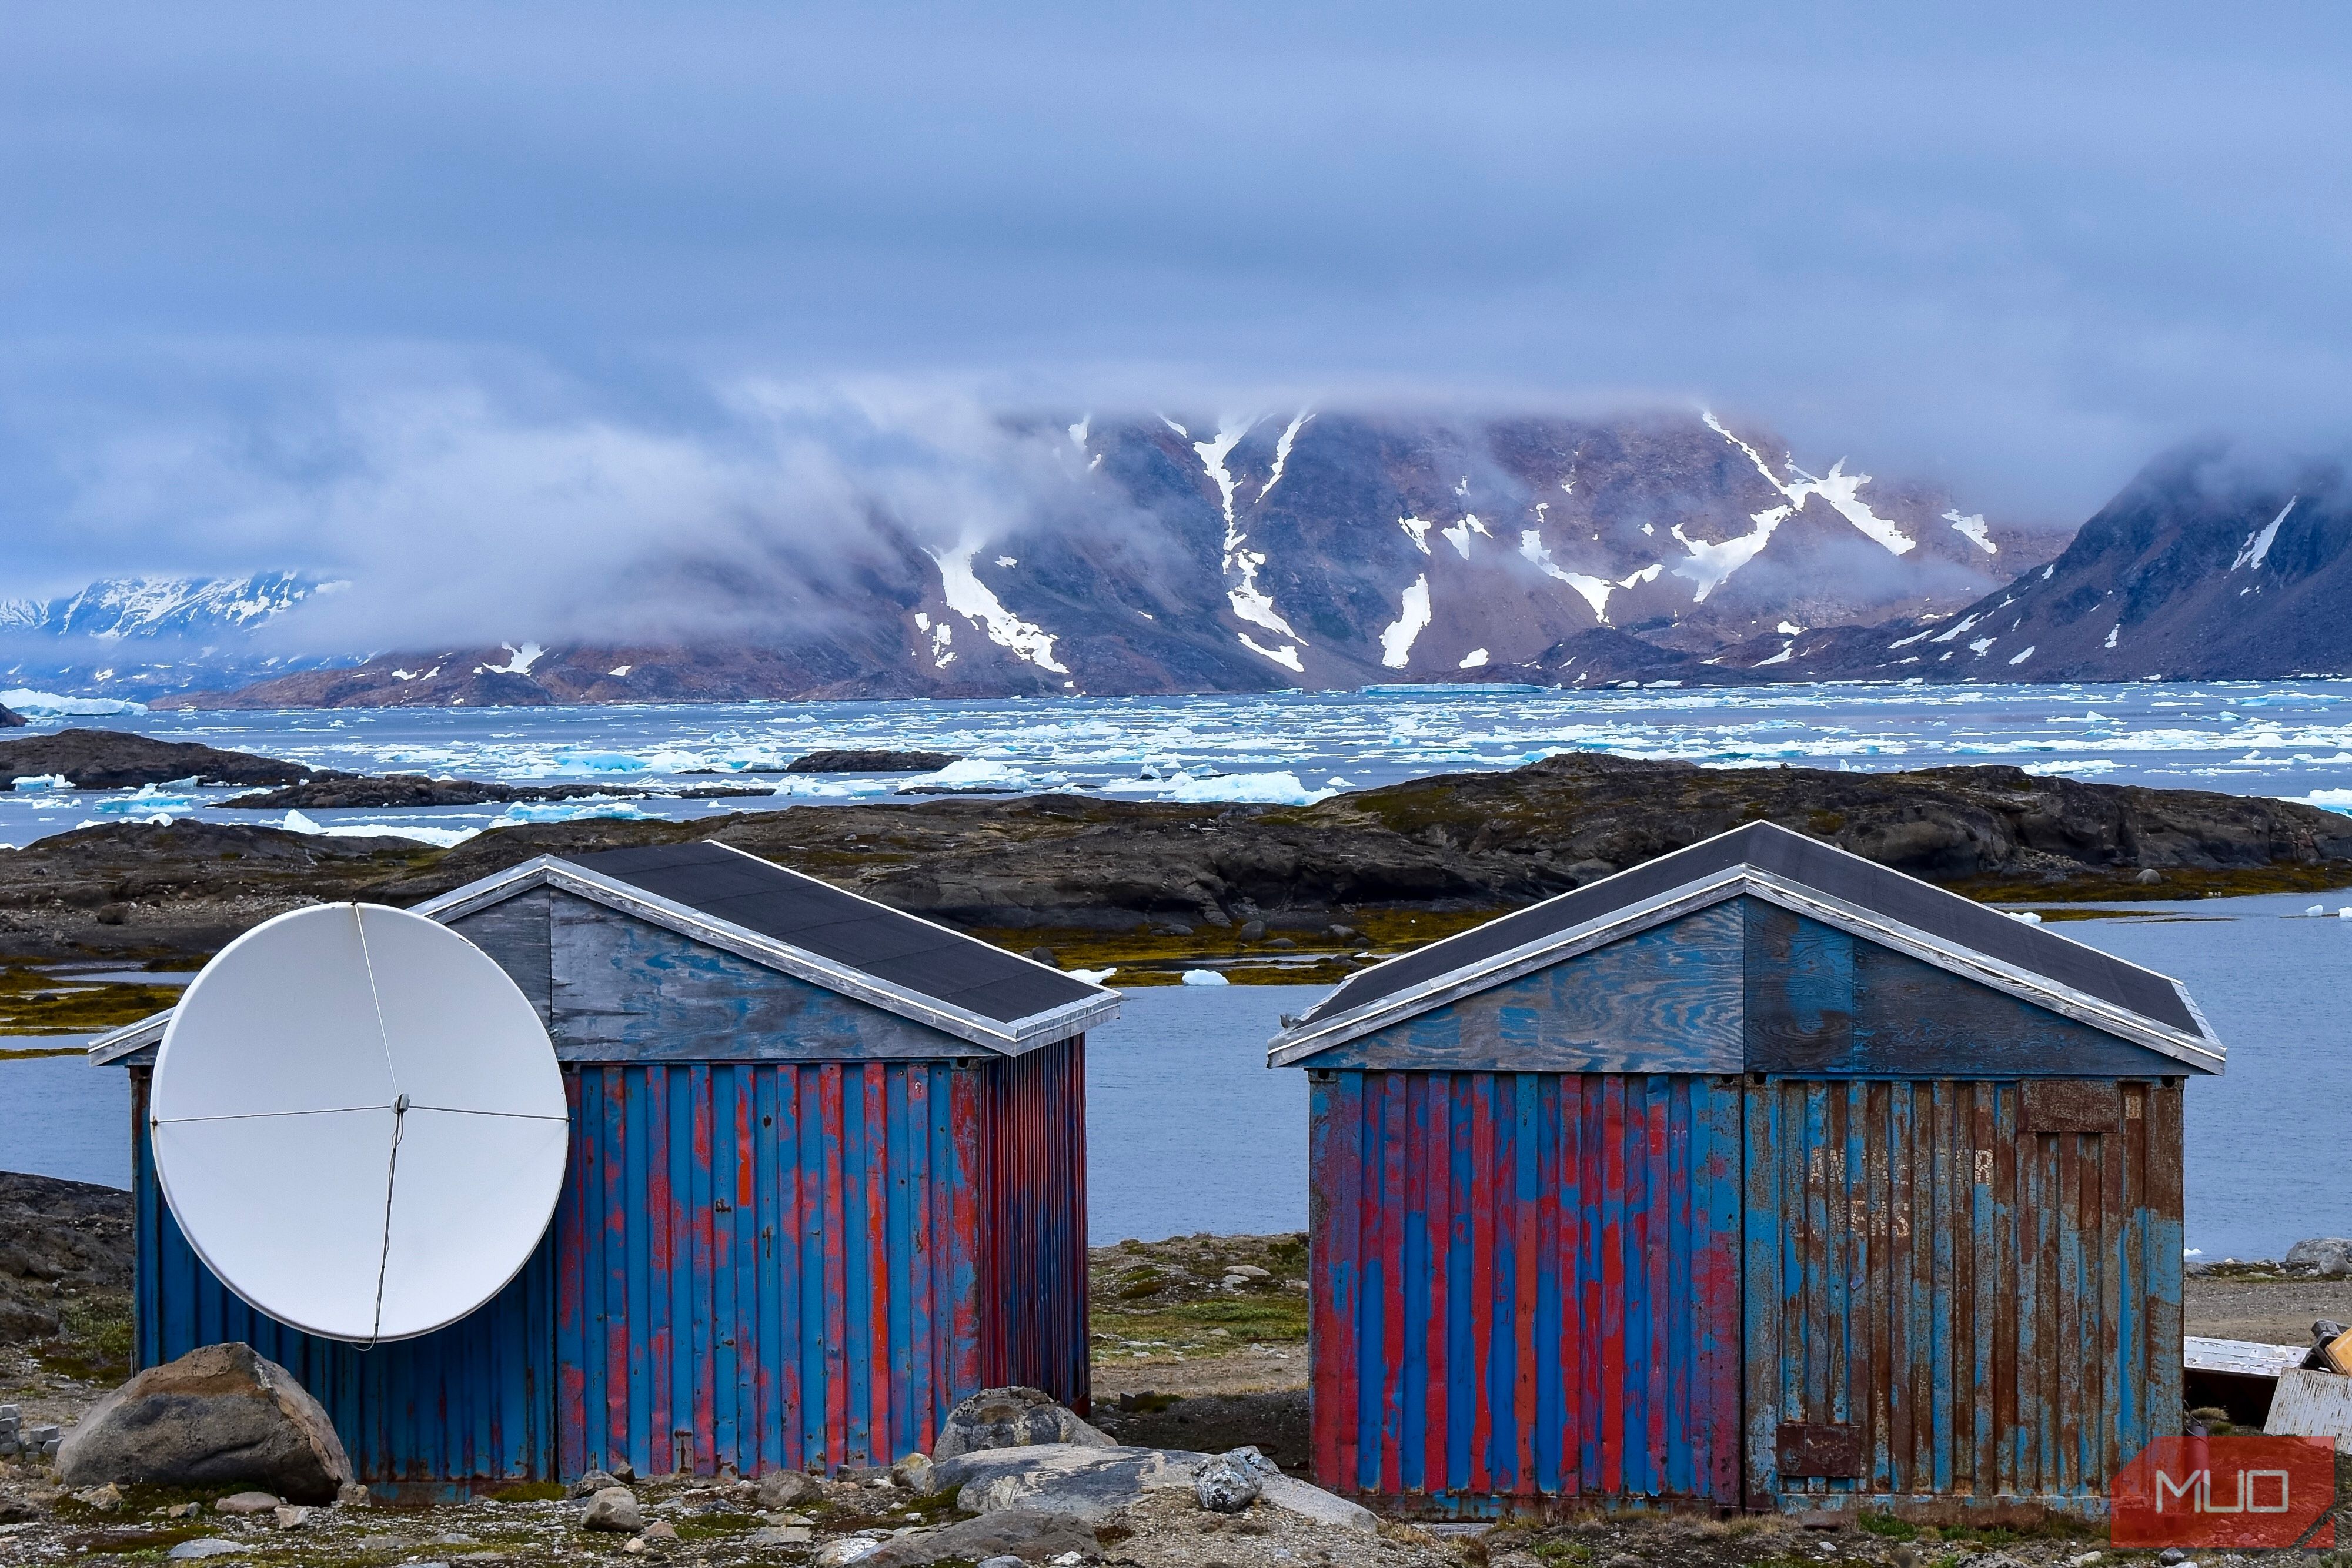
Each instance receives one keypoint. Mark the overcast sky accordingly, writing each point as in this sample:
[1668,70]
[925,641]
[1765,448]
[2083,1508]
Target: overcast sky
[253,255]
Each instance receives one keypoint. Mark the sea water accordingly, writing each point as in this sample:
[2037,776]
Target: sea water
[1190,1131]
[2290,738]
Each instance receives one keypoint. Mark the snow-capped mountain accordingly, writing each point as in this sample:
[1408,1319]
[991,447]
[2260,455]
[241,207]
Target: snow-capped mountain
[1299,549]
[2202,568]
[138,637]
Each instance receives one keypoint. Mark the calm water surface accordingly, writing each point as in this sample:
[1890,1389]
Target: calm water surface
[1188,1131]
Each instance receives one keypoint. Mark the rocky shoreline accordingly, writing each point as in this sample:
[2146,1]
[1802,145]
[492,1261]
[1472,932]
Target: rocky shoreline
[1174,1323]
[1255,893]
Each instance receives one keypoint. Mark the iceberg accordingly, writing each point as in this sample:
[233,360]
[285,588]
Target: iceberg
[1204,977]
[1247,789]
[43,781]
[439,838]
[972,775]
[50,705]
[523,811]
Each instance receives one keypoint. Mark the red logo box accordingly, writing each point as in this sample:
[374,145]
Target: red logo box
[2226,1492]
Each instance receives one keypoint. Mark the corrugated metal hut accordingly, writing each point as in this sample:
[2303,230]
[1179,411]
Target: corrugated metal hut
[1757,1176]
[828,1178]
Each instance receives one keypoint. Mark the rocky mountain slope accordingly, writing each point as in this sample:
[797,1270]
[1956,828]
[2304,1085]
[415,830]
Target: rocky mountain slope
[2205,566]
[1173,553]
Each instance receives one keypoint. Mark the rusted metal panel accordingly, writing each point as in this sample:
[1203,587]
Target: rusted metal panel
[1814,1448]
[1991,1309]
[761,1278]
[1034,1245]
[470,1404]
[1525,1286]
[2072,1105]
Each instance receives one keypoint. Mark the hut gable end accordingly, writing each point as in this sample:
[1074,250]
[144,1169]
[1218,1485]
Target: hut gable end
[619,988]
[1667,1001]
[1744,986]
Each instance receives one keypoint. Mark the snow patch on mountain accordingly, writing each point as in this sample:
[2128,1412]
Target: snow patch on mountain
[1398,637]
[1973,529]
[1417,530]
[2258,545]
[1841,489]
[126,607]
[1282,454]
[1708,565]
[518,660]
[976,602]
[1596,590]
[1458,536]
[1250,603]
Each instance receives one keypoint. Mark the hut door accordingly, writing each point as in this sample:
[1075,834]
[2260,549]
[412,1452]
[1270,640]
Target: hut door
[1957,1288]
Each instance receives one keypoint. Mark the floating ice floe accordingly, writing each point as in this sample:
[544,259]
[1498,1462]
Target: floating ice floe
[1247,789]
[43,781]
[1204,977]
[147,802]
[2027,915]
[970,775]
[1092,977]
[570,811]
[50,705]
[439,838]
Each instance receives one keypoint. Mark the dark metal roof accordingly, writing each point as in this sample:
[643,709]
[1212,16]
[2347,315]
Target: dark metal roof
[1794,858]
[900,949]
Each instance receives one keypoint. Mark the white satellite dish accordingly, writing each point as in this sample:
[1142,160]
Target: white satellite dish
[359,1122]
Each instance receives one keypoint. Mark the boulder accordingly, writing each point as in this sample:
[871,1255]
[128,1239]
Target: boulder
[1077,1480]
[913,1473]
[1023,1534]
[614,1509]
[248,1502]
[1011,1418]
[219,1416]
[2325,1257]
[781,1489]
[10,720]
[591,1483]
[1225,1484]
[196,1550]
[847,1549]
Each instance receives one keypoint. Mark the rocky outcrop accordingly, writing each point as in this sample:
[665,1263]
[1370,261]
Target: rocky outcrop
[869,762]
[219,1416]
[403,790]
[61,1242]
[112,759]
[1466,843]
[11,719]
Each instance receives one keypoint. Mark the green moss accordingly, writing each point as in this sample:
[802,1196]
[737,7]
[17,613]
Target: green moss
[1886,1527]
[93,1342]
[34,1003]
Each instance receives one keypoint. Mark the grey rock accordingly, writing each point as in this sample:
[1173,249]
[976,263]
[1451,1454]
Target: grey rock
[913,1472]
[218,1416]
[1008,1560]
[779,1535]
[593,1482]
[1011,1418]
[1252,930]
[2149,877]
[1225,1485]
[353,1494]
[1016,1535]
[105,1499]
[661,1535]
[1309,1502]
[2325,1257]
[624,1471]
[863,1475]
[847,1549]
[781,1489]
[1079,1480]
[1247,1271]
[614,1509]
[248,1502]
[191,1551]
[291,1516]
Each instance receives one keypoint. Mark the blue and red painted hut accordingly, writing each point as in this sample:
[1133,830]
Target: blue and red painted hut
[1757,1177]
[828,1178]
